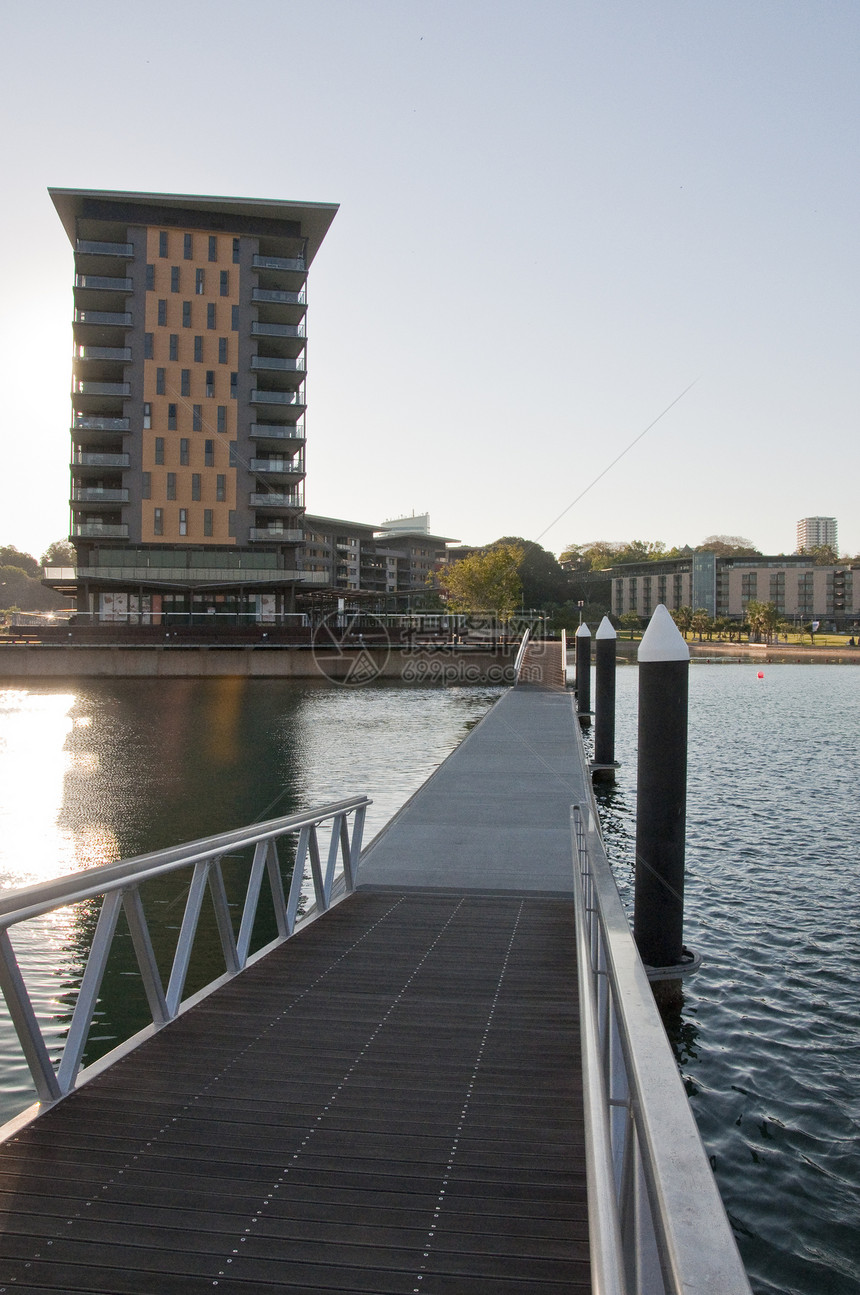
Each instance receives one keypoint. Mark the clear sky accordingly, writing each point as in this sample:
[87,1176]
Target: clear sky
[555,216]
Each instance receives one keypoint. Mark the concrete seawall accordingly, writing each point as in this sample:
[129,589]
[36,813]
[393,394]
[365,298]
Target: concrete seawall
[429,665]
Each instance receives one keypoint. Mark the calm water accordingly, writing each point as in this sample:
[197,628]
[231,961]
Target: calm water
[768,1040]
[112,769]
[769,1037]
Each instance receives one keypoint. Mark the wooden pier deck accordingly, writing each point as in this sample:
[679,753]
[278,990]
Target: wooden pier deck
[390,1102]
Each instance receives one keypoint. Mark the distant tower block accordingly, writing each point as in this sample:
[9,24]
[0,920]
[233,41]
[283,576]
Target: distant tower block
[812,531]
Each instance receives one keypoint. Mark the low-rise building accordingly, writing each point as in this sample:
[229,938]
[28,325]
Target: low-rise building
[800,590]
[392,561]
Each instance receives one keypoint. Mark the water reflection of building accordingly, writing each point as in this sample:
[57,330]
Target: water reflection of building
[800,589]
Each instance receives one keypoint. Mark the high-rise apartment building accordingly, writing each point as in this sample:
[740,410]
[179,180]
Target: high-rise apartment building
[188,402]
[812,531]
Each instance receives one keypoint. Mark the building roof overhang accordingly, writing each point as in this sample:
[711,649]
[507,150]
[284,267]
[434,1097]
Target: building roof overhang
[315,218]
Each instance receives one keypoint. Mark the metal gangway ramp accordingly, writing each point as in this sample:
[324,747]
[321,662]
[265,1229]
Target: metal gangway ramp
[391,1097]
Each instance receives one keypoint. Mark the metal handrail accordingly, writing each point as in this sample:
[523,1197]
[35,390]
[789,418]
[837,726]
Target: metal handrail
[657,1225]
[521,652]
[119,883]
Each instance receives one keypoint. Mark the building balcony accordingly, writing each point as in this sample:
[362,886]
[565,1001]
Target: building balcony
[279,305]
[100,530]
[276,432]
[118,354]
[274,499]
[99,495]
[277,467]
[275,535]
[90,247]
[92,459]
[277,364]
[86,388]
[294,398]
[103,283]
[103,318]
[278,330]
[296,263]
[97,423]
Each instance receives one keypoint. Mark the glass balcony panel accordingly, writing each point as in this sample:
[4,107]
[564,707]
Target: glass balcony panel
[259,397]
[100,530]
[103,283]
[279,263]
[92,459]
[104,353]
[275,465]
[90,247]
[277,432]
[259,329]
[280,296]
[277,363]
[275,534]
[96,423]
[102,388]
[121,318]
[99,495]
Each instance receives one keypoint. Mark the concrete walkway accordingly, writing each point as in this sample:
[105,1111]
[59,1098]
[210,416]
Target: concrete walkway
[496,815]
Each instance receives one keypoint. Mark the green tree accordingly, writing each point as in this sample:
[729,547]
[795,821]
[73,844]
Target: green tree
[543,580]
[12,557]
[683,618]
[60,553]
[485,581]
[726,546]
[631,621]
[701,623]
[24,593]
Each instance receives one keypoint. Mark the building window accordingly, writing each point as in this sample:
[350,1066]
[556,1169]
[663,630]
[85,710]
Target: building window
[159,382]
[186,247]
[198,349]
[222,350]
[183,521]
[236,251]
[207,521]
[199,281]
[150,278]
[209,454]
[210,315]
[147,414]
[162,311]
[234,385]
[213,248]
[158,521]
[197,418]
[222,419]
[183,452]
[171,485]
[186,314]
[195,487]
[234,318]
[234,448]
[147,346]
[231,524]
[146,485]
[174,278]
[224,287]
[159,449]
[210,382]
[171,418]
[162,243]
[173,345]
[185,382]
[221,487]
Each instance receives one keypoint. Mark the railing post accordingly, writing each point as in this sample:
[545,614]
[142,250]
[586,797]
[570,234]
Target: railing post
[583,675]
[604,766]
[661,804]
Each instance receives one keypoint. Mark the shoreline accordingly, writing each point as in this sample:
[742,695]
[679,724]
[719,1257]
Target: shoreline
[765,653]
